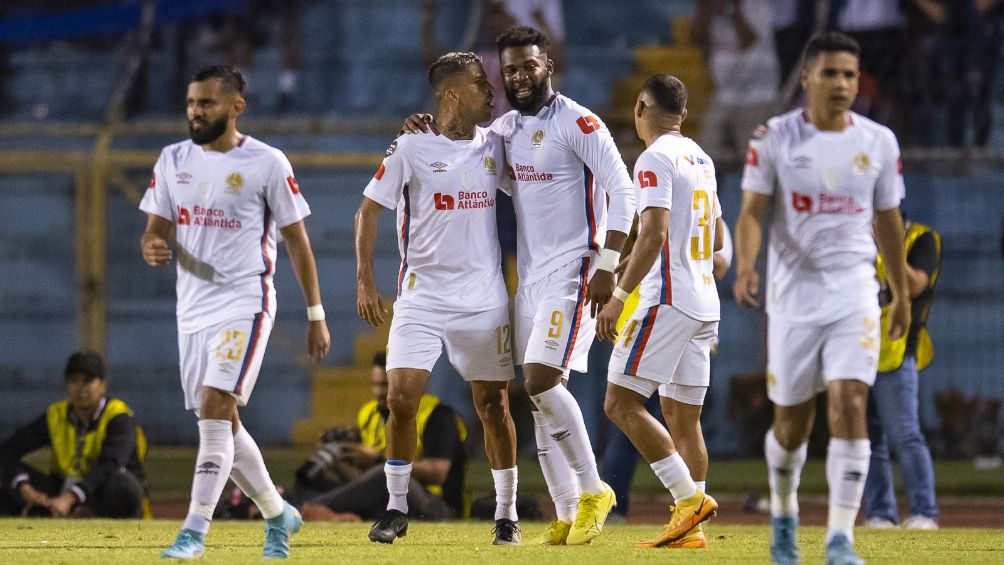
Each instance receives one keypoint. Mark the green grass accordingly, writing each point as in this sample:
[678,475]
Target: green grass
[169,472]
[120,542]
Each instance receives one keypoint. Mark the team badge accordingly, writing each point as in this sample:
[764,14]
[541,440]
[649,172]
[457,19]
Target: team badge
[235,182]
[537,142]
[861,163]
[489,165]
[390,150]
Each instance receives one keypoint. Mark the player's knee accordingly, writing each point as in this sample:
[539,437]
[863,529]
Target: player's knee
[402,405]
[616,408]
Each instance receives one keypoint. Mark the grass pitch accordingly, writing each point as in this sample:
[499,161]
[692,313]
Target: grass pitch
[119,542]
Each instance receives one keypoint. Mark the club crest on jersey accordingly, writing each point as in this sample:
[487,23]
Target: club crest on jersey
[235,182]
[490,165]
[390,150]
[861,164]
[537,141]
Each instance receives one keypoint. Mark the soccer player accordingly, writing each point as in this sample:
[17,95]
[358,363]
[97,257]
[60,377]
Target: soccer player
[564,164]
[835,179]
[225,194]
[667,341]
[450,289]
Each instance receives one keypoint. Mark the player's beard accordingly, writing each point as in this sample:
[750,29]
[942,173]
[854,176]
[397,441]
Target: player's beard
[210,133]
[536,100]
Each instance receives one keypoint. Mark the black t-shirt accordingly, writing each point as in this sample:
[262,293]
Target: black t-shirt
[441,440]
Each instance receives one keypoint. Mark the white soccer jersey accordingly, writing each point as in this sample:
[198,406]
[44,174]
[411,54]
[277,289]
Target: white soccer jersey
[676,174]
[226,207]
[444,191]
[561,160]
[826,187]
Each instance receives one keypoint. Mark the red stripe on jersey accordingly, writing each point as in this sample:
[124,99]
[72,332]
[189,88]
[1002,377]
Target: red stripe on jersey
[639,349]
[380,172]
[579,305]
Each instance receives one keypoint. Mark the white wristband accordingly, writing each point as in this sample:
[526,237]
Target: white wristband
[315,313]
[608,259]
[621,294]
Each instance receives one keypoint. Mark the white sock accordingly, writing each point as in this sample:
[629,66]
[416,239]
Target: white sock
[251,476]
[398,476]
[846,468]
[558,475]
[702,485]
[564,421]
[784,471]
[212,469]
[675,476]
[505,493]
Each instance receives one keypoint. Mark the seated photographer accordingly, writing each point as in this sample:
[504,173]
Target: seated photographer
[97,453]
[346,475]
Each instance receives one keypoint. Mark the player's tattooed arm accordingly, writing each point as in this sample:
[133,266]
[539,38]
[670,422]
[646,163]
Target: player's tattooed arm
[153,242]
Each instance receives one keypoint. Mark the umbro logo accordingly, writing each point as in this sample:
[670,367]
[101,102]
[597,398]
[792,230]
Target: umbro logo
[208,468]
[438,167]
[183,178]
[854,476]
[563,434]
[803,162]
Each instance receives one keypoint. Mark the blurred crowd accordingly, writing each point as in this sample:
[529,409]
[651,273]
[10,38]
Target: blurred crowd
[929,66]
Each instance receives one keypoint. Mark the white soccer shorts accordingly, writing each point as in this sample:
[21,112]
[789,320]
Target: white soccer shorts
[663,348]
[478,344]
[802,360]
[225,356]
[553,324]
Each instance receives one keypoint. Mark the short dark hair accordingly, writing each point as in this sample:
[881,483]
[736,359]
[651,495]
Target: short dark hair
[669,93]
[449,65]
[231,76]
[830,42]
[380,360]
[522,36]
[86,362]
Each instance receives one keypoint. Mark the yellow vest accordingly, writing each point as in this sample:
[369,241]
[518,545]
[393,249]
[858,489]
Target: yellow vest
[372,427]
[72,464]
[893,351]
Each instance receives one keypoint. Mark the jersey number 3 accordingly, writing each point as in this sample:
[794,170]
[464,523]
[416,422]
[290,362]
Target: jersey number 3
[700,245]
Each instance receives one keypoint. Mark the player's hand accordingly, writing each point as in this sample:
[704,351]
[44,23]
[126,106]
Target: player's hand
[746,287]
[606,322]
[416,123]
[899,318]
[62,504]
[155,250]
[31,495]
[369,304]
[318,340]
[622,266]
[599,291]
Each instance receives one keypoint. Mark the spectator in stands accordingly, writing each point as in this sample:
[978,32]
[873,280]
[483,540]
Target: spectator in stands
[97,453]
[494,20]
[893,417]
[737,39]
[548,17]
[245,32]
[880,29]
[794,21]
[954,52]
[436,490]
